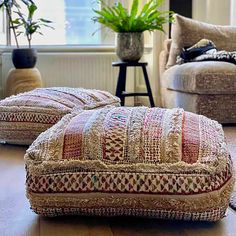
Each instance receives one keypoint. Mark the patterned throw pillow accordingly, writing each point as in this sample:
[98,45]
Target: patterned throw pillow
[131,161]
[186,32]
[24,116]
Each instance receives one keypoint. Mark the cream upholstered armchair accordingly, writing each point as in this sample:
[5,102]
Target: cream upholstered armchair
[207,88]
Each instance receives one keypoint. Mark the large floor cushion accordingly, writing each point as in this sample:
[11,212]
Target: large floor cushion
[24,116]
[138,161]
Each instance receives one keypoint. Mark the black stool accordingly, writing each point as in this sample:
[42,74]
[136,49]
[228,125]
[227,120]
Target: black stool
[120,88]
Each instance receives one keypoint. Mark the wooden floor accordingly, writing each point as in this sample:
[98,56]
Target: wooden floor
[16,218]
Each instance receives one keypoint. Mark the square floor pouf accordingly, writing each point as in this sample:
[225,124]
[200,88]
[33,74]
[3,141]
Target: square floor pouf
[24,116]
[148,162]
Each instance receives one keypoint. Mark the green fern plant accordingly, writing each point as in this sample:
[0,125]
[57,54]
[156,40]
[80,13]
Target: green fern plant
[119,19]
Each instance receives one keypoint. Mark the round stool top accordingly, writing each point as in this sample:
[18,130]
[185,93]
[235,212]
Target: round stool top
[123,63]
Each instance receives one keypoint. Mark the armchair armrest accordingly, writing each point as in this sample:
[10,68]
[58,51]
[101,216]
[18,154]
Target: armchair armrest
[164,55]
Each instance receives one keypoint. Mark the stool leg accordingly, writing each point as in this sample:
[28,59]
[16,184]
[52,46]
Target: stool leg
[120,88]
[148,86]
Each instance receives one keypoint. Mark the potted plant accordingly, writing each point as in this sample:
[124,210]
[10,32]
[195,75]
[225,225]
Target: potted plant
[24,57]
[130,25]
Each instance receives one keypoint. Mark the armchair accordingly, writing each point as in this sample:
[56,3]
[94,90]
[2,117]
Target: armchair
[207,88]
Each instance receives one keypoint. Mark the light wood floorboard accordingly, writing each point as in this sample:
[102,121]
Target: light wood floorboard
[16,218]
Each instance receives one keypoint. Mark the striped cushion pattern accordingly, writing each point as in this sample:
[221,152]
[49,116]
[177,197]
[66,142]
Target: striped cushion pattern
[164,163]
[24,116]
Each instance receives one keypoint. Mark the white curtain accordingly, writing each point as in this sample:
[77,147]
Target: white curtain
[215,11]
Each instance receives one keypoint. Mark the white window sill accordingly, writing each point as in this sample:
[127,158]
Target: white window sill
[71,49]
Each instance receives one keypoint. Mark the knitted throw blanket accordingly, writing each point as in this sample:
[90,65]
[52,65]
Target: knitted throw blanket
[205,50]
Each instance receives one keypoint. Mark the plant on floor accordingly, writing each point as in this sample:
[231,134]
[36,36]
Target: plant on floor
[130,24]
[24,24]
[28,23]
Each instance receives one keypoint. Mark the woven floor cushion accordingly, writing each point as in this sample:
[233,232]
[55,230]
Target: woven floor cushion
[136,161]
[24,116]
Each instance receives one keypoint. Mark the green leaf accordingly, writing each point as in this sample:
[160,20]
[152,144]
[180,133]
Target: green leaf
[19,33]
[145,7]
[160,2]
[149,10]
[49,26]
[122,10]
[45,21]
[31,8]
[16,21]
[134,9]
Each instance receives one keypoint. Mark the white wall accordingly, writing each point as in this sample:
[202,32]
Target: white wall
[220,12]
[199,10]
[233,12]
[155,43]
[70,69]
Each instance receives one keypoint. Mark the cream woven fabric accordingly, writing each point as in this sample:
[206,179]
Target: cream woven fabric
[24,116]
[135,161]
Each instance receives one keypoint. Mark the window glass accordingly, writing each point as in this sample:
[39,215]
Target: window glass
[72,23]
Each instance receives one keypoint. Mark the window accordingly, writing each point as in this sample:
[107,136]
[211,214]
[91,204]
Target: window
[71,20]
[72,23]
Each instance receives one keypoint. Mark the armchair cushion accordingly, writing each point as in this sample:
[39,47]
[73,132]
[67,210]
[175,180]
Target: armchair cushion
[186,32]
[207,77]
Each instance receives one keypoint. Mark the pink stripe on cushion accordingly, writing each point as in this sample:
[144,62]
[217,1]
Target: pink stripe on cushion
[152,132]
[43,102]
[190,138]
[73,140]
[84,96]
[58,95]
